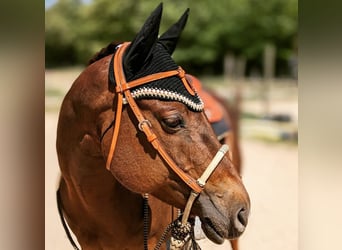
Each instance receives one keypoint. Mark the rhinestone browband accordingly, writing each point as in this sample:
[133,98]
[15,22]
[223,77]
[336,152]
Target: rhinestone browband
[146,92]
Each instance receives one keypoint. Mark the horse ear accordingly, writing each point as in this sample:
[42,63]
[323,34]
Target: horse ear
[141,47]
[170,38]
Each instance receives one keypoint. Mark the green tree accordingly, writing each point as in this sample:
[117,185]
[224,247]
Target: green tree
[61,23]
[104,21]
[74,32]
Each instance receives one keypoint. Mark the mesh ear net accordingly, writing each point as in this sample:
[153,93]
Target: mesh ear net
[168,89]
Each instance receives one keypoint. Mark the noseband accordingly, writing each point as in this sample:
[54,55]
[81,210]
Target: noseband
[122,90]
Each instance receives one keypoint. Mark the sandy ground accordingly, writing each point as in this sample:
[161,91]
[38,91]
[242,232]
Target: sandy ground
[270,176]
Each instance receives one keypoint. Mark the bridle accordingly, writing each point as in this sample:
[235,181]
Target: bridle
[180,229]
[123,91]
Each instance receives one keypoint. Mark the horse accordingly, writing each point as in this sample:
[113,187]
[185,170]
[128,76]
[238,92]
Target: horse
[134,145]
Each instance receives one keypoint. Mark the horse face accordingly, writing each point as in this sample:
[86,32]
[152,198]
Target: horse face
[223,205]
[184,132]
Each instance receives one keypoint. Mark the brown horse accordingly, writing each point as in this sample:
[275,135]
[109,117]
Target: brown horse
[133,113]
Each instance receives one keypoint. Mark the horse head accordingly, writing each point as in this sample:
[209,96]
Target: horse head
[135,113]
[174,112]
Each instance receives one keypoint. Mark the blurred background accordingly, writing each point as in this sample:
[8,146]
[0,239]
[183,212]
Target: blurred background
[244,47]
[247,44]
[239,38]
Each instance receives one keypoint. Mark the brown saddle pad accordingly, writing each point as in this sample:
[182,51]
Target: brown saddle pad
[212,108]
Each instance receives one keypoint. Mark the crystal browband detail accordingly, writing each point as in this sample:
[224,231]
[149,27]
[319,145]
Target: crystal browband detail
[146,92]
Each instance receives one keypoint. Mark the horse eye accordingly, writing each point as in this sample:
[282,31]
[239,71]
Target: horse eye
[173,122]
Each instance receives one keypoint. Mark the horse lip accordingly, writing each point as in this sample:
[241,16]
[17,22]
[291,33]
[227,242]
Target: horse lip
[211,231]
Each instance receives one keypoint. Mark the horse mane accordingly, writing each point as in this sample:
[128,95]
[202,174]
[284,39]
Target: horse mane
[110,49]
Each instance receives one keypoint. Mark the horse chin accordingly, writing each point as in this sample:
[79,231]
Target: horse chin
[212,231]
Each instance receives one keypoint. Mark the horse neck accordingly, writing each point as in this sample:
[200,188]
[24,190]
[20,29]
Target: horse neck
[101,194]
[87,112]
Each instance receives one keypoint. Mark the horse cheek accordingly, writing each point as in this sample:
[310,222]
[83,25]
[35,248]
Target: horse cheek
[137,173]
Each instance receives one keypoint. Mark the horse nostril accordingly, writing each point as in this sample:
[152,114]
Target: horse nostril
[243,216]
[241,219]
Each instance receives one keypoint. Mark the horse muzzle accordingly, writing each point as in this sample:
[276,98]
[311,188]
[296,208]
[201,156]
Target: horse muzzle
[223,217]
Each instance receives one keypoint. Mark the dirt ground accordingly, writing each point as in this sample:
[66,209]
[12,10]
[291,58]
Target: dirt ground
[270,175]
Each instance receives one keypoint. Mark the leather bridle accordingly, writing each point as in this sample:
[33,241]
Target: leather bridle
[122,90]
